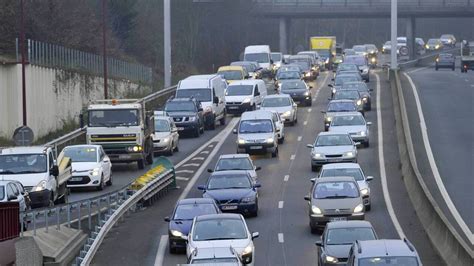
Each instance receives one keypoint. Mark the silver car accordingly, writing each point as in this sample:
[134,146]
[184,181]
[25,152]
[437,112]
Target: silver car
[241,161]
[165,137]
[350,169]
[330,147]
[335,107]
[350,95]
[352,123]
[283,104]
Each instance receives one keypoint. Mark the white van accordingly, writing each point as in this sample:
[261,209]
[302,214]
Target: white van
[210,91]
[262,55]
[244,95]
[257,132]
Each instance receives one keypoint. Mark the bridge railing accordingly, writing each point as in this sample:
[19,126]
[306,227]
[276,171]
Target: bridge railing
[365,3]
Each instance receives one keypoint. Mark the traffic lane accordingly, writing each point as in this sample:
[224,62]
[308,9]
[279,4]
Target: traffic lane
[446,99]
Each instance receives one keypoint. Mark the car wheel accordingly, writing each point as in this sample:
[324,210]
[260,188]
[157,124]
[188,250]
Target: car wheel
[366,144]
[173,250]
[109,182]
[314,168]
[197,132]
[170,152]
[281,140]
[149,158]
[314,230]
[222,120]
[275,153]
[101,185]
[368,207]
[176,148]
[141,164]
[310,102]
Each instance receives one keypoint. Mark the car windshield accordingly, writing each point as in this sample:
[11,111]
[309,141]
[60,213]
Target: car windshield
[333,140]
[302,63]
[357,60]
[289,68]
[340,80]
[189,211]
[354,172]
[228,182]
[346,67]
[248,66]
[388,43]
[162,125]
[359,48]
[288,75]
[275,57]
[11,164]
[257,57]
[370,46]
[346,94]
[307,53]
[338,189]
[256,126]
[276,102]
[446,36]
[388,261]
[234,164]
[347,236]
[219,229]
[349,52]
[446,56]
[215,261]
[433,41]
[202,95]
[113,118]
[293,85]
[231,74]
[2,192]
[81,154]
[342,107]
[234,90]
[348,120]
[180,106]
[360,86]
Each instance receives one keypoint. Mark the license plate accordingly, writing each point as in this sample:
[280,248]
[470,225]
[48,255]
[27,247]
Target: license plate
[180,128]
[124,156]
[256,147]
[233,107]
[232,207]
[336,160]
[76,179]
[338,219]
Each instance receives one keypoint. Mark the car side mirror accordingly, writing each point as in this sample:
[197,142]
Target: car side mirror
[369,123]
[167,219]
[307,198]
[12,197]
[310,146]
[255,235]
[210,171]
[271,61]
[371,89]
[247,77]
[258,168]
[257,185]
[295,105]
[215,100]
[200,109]
[322,111]
[312,180]
[357,144]
[318,243]
[330,85]
[106,160]
[202,187]
[174,130]
[257,93]
[54,171]
[329,98]
[369,178]
[234,131]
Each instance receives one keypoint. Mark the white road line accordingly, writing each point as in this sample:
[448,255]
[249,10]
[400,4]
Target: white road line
[418,69]
[184,171]
[305,123]
[210,145]
[205,152]
[198,158]
[280,205]
[286,178]
[292,157]
[190,164]
[434,167]
[383,174]
[160,255]
[309,110]
[300,138]
[280,238]
[182,178]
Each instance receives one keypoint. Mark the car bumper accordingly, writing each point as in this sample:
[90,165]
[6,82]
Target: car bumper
[445,65]
[242,208]
[238,108]
[83,181]
[176,242]
[301,98]
[256,147]
[161,146]
[187,127]
[40,198]
[125,157]
[358,138]
[321,221]
[323,161]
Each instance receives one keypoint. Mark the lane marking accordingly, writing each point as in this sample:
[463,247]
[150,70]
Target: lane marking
[292,157]
[300,137]
[198,158]
[305,123]
[434,168]
[191,164]
[210,145]
[205,152]
[182,178]
[280,238]
[280,204]
[309,110]
[418,69]
[286,178]
[160,255]
[383,174]
[184,171]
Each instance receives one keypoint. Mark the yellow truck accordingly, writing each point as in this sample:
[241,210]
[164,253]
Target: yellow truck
[326,48]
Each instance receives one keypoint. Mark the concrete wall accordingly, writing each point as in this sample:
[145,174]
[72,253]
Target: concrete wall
[53,97]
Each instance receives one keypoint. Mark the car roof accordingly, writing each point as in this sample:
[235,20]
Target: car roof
[385,247]
[277,96]
[230,172]
[195,201]
[341,101]
[349,114]
[330,179]
[84,146]
[340,166]
[348,224]
[219,216]
[331,133]
[235,155]
[23,150]
[258,114]
[246,82]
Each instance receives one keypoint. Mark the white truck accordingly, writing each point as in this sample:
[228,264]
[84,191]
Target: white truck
[123,128]
[40,173]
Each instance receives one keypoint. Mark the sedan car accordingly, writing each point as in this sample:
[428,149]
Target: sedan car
[342,78]
[362,64]
[352,123]
[91,167]
[334,199]
[335,107]
[286,75]
[448,40]
[182,218]
[353,95]
[284,105]
[166,137]
[222,230]
[445,61]
[298,90]
[240,161]
[330,147]
[233,191]
[434,45]
[350,169]
[306,63]
[364,92]
[337,240]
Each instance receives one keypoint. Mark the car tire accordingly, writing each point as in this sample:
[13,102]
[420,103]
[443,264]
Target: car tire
[197,132]
[366,144]
[149,158]
[314,230]
[255,213]
[141,164]
[171,151]
[173,250]
[176,148]
[281,140]
[222,120]
[109,182]
[310,102]
[314,168]
[275,153]
[101,185]
[368,207]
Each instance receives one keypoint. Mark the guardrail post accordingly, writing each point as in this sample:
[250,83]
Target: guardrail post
[58,227]
[68,210]
[34,224]
[98,212]
[79,215]
[46,220]
[89,218]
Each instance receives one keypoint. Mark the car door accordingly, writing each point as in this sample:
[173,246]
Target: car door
[52,180]
[104,162]
[174,132]
[12,191]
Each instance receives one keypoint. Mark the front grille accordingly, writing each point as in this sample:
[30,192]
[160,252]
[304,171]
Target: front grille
[337,212]
[115,150]
[28,189]
[234,103]
[342,259]
[234,201]
[113,138]
[156,141]
[334,155]
[84,180]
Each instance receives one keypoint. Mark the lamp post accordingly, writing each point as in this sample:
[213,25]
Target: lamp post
[167,42]
[104,46]
[23,60]
[393,39]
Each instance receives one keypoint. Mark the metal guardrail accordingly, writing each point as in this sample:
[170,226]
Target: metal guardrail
[366,3]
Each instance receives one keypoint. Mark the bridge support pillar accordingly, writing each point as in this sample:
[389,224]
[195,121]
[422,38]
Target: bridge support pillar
[284,23]
[411,35]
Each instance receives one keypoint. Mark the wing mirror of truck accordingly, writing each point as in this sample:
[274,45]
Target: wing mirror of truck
[216,100]
[200,109]
[81,120]
[12,197]
[54,171]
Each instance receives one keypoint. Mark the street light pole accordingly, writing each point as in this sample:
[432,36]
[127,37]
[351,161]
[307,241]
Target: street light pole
[104,46]
[23,60]
[393,39]
[167,42]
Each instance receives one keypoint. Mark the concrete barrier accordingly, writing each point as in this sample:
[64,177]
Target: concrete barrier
[451,247]
[426,59]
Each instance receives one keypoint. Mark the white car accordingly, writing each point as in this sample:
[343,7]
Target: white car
[166,137]
[332,147]
[241,161]
[284,105]
[91,167]
[280,126]
[13,191]
[222,230]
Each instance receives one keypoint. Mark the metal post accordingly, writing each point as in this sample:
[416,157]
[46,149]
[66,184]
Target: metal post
[104,47]
[89,215]
[410,37]
[393,39]
[58,227]
[167,42]
[23,62]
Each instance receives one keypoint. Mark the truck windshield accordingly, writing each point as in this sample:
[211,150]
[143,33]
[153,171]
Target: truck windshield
[202,95]
[231,74]
[257,57]
[323,53]
[113,118]
[12,164]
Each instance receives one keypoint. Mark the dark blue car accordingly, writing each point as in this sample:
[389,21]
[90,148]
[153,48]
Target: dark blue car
[182,219]
[233,191]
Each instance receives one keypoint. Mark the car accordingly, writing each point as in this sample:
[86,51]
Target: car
[316,59]
[225,256]
[335,198]
[243,162]
[284,105]
[277,59]
[345,67]
[364,91]
[286,75]
[244,95]
[338,238]
[347,52]
[252,68]
[362,64]
[257,131]
[360,50]
[91,167]
[349,95]
[445,61]
[280,126]
[298,91]
[448,40]
[387,47]
[222,230]
[262,55]
[338,59]
[179,223]
[350,169]
[371,49]
[291,67]
[434,45]
[305,62]
[13,191]
[332,147]
[233,191]
[342,78]
[233,73]
[187,114]
[389,251]
[354,124]
[166,137]
[337,106]
[420,45]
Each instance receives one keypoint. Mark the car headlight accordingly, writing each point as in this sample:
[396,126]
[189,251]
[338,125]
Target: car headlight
[364,191]
[328,119]
[241,141]
[306,93]
[136,148]
[373,59]
[248,200]
[270,140]
[330,259]
[365,70]
[176,233]
[208,109]
[246,100]
[333,90]
[349,154]
[362,133]
[192,118]
[427,46]
[359,102]
[316,210]
[247,250]
[308,74]
[327,61]
[365,99]
[287,113]
[40,187]
[437,46]
[278,84]
[165,140]
[94,172]
[359,208]
[317,155]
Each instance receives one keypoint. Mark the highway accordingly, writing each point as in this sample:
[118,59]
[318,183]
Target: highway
[283,224]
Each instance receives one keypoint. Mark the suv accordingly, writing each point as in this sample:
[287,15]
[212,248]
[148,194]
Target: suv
[391,251]
[187,115]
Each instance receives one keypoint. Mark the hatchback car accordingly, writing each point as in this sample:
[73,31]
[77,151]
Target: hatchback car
[222,230]
[332,147]
[353,95]
[350,169]
[182,217]
[354,124]
[445,61]
[364,92]
[342,78]
[241,161]
[233,191]
[334,199]
[284,105]
[286,75]
[338,238]
[166,137]
[251,67]
[233,73]
[335,107]
[298,91]
[386,251]
[434,45]
[362,63]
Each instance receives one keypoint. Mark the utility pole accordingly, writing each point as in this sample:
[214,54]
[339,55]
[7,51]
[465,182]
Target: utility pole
[104,46]
[167,42]
[23,60]
[393,39]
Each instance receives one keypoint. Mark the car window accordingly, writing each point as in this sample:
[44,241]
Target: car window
[10,190]
[342,107]
[255,90]
[354,172]
[348,120]
[346,94]
[162,125]
[189,211]
[236,90]
[333,140]
[216,229]
[81,154]
[338,189]
[347,236]
[228,181]
[388,261]
[276,102]
[234,164]
[51,159]
[15,189]
[2,192]
[256,126]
